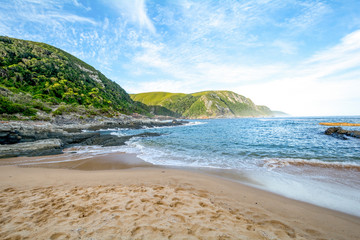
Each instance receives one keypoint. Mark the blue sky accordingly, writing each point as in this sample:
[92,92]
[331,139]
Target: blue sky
[301,57]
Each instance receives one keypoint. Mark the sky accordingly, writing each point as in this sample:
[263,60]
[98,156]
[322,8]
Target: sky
[297,56]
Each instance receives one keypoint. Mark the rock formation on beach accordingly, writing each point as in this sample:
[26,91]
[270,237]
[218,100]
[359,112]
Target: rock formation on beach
[44,138]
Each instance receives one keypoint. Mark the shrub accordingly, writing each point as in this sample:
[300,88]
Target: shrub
[8,107]
[29,111]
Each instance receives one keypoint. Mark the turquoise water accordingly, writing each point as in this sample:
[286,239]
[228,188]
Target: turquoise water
[289,156]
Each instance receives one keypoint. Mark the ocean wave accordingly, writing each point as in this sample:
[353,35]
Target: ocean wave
[190,123]
[118,133]
[195,123]
[106,130]
[271,164]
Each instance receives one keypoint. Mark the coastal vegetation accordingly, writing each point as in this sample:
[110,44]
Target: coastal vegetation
[39,78]
[207,104]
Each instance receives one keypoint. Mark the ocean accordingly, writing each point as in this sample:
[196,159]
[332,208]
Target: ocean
[289,156]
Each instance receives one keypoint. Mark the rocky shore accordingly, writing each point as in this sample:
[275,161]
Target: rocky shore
[341,133]
[33,138]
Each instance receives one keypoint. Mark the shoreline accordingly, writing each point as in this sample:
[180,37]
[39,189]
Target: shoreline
[36,138]
[122,161]
[137,199]
[201,205]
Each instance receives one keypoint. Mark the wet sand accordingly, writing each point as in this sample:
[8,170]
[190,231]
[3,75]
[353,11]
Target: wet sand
[108,161]
[151,203]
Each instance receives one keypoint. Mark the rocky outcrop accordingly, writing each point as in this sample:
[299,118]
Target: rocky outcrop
[37,148]
[70,124]
[340,133]
[111,140]
[9,136]
[43,138]
[134,124]
[20,132]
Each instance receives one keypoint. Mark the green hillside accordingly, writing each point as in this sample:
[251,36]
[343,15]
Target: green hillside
[38,77]
[155,98]
[206,104]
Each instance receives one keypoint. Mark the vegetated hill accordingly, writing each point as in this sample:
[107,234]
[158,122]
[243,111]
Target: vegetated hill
[208,104]
[36,77]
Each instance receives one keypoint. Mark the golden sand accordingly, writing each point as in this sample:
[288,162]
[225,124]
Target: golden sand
[128,212]
[154,203]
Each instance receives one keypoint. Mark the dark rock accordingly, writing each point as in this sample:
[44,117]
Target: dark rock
[37,148]
[75,138]
[355,134]
[147,134]
[118,124]
[30,138]
[112,140]
[340,133]
[339,136]
[332,130]
[106,140]
[9,137]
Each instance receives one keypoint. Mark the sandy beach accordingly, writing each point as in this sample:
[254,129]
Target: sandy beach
[153,203]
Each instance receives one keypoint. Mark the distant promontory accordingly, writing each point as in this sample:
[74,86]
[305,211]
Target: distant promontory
[207,104]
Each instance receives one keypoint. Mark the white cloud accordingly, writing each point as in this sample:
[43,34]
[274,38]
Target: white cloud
[106,24]
[5,29]
[348,46]
[42,12]
[328,82]
[306,97]
[207,52]
[344,56]
[78,4]
[151,56]
[63,17]
[134,11]
[205,33]
[311,12]
[237,73]
[160,85]
[320,85]
[188,46]
[285,47]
